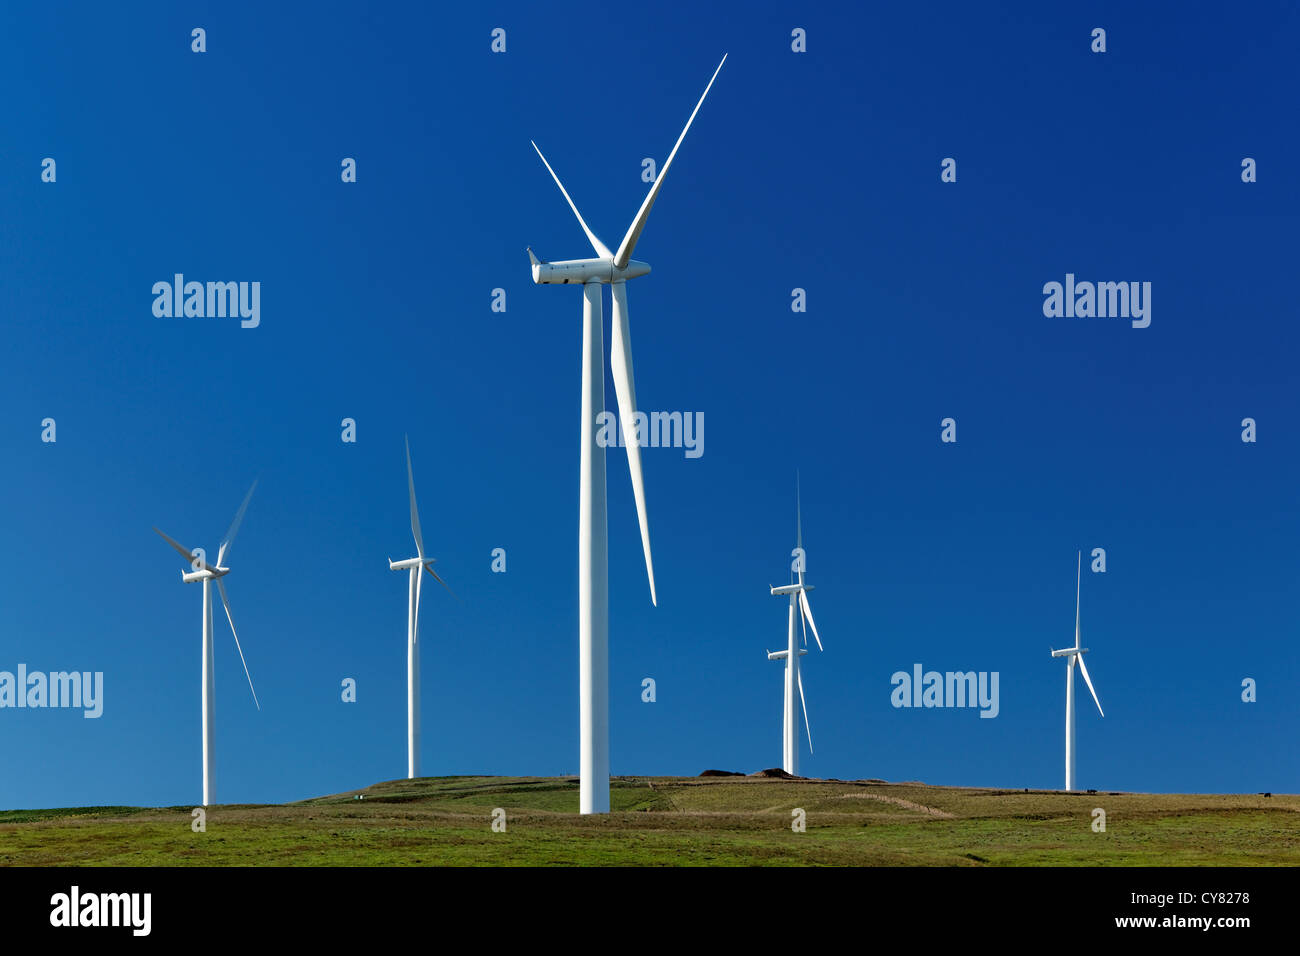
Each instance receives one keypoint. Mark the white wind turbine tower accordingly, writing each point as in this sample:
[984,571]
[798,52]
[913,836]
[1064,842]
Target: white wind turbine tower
[613,269]
[1074,656]
[800,607]
[413,565]
[203,572]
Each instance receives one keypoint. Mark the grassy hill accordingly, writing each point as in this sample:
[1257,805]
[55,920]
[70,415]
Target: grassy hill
[672,821]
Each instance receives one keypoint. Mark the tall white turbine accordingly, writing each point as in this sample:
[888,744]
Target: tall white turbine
[799,607]
[413,565]
[1074,657]
[613,269]
[203,572]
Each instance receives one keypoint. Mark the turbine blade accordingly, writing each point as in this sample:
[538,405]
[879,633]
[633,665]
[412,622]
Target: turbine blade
[807,610]
[798,532]
[634,231]
[1083,669]
[184,552]
[229,539]
[806,725]
[415,636]
[429,568]
[225,602]
[620,356]
[415,513]
[798,514]
[785,705]
[600,247]
[212,631]
[1078,580]
[803,623]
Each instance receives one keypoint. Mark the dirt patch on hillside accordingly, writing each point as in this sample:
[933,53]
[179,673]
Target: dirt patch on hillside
[905,804]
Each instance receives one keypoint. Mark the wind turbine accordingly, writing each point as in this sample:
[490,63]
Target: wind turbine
[799,606]
[613,269]
[200,570]
[1074,656]
[413,565]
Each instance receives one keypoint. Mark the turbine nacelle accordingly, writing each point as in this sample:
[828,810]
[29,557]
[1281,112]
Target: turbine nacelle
[582,271]
[206,574]
[791,589]
[782,655]
[1070,651]
[409,563]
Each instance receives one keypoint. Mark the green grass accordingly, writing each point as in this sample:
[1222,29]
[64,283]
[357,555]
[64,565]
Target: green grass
[669,822]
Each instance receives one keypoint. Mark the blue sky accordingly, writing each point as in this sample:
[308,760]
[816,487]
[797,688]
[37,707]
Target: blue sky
[818,171]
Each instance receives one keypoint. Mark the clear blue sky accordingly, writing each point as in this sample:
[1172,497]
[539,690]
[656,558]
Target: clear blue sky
[816,170]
